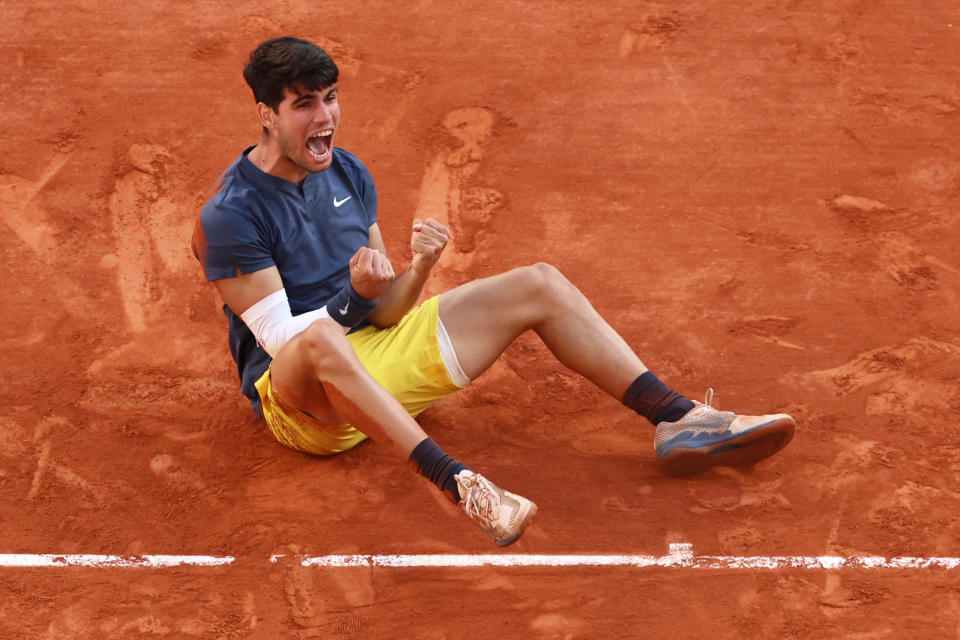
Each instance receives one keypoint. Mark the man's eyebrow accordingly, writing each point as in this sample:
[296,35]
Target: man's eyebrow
[313,94]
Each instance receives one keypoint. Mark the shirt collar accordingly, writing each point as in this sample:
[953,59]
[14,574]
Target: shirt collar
[252,173]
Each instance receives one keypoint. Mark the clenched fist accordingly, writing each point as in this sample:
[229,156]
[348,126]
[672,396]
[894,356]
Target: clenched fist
[427,242]
[370,273]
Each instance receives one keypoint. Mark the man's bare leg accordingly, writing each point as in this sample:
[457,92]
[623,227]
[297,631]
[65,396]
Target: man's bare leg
[319,372]
[484,316]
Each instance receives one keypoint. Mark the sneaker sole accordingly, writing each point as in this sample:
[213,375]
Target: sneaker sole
[523,526]
[741,450]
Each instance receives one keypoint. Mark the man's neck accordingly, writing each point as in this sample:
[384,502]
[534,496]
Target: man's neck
[266,156]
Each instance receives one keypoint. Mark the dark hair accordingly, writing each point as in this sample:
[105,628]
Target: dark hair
[282,63]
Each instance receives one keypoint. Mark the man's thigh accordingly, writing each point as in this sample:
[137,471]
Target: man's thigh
[484,316]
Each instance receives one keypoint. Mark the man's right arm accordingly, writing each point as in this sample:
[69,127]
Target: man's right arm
[236,257]
[244,291]
[261,302]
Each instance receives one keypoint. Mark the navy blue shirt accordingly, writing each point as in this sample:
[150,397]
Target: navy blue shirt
[308,231]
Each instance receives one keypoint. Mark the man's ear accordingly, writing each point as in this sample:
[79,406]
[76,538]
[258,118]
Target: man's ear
[268,117]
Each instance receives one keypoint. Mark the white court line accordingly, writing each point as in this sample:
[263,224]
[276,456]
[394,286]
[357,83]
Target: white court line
[680,556]
[88,560]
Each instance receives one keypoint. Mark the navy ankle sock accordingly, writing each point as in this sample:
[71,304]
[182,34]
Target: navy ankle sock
[655,401]
[437,467]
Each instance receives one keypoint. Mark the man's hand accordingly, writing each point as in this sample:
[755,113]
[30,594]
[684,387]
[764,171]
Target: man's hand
[370,273]
[428,241]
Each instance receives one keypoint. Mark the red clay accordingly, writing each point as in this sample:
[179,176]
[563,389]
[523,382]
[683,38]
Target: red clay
[762,197]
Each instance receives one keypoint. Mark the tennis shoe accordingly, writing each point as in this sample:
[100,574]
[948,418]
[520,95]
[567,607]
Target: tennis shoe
[501,514]
[705,437]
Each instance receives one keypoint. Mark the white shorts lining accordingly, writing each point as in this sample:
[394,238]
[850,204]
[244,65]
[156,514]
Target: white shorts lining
[450,361]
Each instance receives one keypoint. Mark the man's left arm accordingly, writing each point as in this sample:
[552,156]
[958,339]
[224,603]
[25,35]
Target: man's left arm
[427,243]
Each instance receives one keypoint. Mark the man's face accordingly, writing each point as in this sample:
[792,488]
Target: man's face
[307,122]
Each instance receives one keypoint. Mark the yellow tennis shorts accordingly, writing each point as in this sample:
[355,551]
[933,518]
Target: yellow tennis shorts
[405,359]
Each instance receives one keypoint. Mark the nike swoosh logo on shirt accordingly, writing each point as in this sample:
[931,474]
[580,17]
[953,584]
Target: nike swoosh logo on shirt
[337,203]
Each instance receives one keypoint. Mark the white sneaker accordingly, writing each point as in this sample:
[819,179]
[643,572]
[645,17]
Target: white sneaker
[501,514]
[705,437]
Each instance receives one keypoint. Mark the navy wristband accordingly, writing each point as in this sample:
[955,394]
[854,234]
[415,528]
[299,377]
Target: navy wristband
[349,308]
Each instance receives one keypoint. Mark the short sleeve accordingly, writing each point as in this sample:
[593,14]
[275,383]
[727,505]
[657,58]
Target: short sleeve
[360,178]
[231,242]
[368,193]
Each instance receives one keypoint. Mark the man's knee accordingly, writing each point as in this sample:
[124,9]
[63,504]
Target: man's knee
[546,283]
[313,358]
[325,349]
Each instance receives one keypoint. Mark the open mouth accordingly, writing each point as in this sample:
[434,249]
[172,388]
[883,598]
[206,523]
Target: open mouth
[319,144]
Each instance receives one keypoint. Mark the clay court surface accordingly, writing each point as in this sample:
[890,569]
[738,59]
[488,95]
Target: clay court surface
[761,196]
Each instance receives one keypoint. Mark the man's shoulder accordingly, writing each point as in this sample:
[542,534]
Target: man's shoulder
[233,210]
[227,204]
[235,196]
[351,164]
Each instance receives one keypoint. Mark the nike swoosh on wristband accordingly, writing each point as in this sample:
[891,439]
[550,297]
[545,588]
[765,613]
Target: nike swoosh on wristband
[343,309]
[337,203]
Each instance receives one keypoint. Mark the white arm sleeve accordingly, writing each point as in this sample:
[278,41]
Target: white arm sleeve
[272,323]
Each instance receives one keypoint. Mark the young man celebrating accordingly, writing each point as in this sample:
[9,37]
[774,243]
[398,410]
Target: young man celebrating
[328,344]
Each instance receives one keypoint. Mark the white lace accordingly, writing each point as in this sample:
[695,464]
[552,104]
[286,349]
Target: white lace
[482,503]
[708,397]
